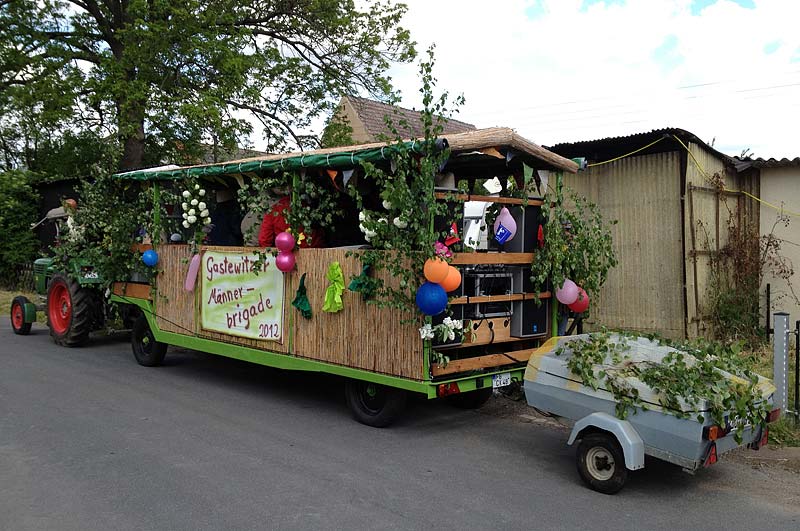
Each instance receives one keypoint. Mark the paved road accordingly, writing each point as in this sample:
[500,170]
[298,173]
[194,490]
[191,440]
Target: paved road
[90,440]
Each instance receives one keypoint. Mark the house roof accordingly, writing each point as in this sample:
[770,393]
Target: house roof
[371,113]
[603,149]
[745,163]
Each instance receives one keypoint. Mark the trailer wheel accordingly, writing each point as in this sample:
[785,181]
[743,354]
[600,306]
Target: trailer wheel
[147,351]
[601,463]
[472,399]
[18,316]
[69,311]
[374,404]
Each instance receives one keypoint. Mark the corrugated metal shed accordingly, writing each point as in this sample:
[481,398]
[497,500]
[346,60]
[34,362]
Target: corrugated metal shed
[610,147]
[672,216]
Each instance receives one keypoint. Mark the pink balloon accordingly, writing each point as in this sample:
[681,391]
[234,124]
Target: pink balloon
[581,304]
[285,261]
[568,293]
[284,241]
[191,274]
[507,220]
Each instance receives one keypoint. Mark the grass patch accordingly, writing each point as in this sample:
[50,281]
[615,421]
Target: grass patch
[7,296]
[785,432]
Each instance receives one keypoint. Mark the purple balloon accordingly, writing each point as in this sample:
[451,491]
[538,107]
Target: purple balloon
[191,274]
[568,293]
[508,222]
[284,241]
[285,261]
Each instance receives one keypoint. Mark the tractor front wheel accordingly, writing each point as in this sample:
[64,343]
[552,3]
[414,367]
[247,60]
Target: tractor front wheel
[18,316]
[147,351]
[69,311]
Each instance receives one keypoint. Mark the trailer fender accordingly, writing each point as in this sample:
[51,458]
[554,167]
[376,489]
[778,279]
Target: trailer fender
[632,445]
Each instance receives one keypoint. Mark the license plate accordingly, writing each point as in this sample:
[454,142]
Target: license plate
[501,380]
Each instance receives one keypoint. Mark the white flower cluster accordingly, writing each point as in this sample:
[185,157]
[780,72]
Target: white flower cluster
[447,329]
[449,326]
[399,222]
[194,209]
[426,331]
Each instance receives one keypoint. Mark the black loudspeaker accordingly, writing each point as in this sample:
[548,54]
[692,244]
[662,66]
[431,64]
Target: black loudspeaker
[530,320]
[527,318]
[527,238]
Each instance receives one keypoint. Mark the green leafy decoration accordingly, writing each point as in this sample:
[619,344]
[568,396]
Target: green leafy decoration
[694,375]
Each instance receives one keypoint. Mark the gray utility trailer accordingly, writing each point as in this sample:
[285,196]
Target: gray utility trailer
[608,446]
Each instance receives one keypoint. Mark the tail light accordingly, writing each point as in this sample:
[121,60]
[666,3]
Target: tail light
[711,457]
[764,437]
[774,415]
[447,389]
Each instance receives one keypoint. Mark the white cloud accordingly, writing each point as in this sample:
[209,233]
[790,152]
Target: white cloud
[568,74]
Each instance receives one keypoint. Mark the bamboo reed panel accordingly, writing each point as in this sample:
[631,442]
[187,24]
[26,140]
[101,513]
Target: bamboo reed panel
[459,142]
[362,335]
[174,306]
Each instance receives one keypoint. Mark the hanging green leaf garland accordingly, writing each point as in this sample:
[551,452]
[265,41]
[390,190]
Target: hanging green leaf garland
[301,299]
[333,295]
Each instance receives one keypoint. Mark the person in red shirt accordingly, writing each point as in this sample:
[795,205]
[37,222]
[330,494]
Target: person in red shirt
[274,223]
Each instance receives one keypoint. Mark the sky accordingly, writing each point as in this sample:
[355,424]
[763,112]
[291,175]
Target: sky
[573,70]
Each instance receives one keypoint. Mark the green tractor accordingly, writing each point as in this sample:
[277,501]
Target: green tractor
[72,300]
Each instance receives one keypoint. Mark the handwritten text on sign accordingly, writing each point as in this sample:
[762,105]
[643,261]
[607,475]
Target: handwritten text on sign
[236,300]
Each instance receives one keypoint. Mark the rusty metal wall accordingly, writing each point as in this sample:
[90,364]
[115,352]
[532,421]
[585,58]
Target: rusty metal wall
[645,291]
[707,213]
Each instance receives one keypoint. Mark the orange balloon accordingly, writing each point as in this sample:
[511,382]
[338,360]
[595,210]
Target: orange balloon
[453,279]
[435,270]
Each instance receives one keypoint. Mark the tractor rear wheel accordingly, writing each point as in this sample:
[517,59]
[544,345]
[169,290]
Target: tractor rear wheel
[18,316]
[70,311]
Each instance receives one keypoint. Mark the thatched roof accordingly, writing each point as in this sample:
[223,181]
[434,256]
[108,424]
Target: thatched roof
[470,143]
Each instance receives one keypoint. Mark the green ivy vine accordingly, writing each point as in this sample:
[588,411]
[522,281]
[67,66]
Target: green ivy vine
[577,245]
[693,374]
[401,233]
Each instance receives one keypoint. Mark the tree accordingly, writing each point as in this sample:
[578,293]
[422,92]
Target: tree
[165,75]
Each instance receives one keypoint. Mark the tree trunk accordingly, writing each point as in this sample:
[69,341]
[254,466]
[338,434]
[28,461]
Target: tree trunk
[131,131]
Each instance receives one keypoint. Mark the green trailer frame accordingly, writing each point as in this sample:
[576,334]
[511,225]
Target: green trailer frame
[432,387]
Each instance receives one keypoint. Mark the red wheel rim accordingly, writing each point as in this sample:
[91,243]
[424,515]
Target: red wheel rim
[59,308]
[17,316]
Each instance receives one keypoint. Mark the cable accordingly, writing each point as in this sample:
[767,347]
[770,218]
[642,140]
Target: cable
[705,174]
[627,154]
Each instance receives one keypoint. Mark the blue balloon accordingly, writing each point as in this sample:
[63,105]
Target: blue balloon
[150,258]
[431,298]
